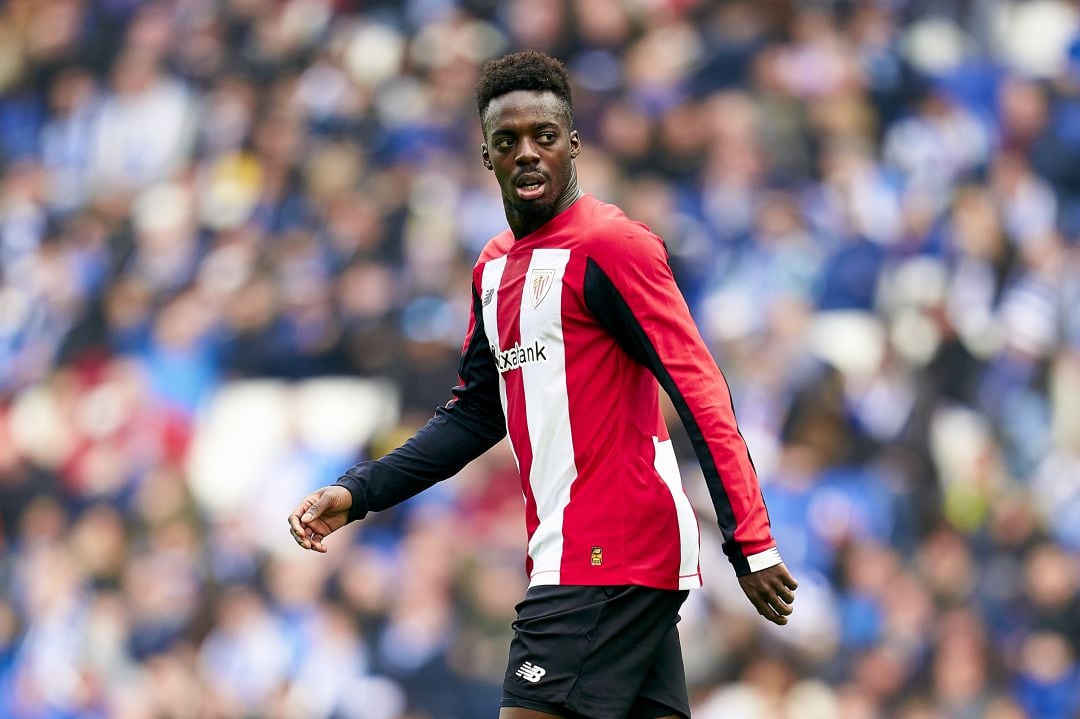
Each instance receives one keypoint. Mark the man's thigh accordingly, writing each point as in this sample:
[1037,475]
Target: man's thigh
[597,652]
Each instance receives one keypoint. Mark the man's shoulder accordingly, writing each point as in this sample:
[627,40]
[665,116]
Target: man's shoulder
[612,237]
[496,247]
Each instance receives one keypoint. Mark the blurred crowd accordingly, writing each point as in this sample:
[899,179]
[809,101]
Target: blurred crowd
[235,243]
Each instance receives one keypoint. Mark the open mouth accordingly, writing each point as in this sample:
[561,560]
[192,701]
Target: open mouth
[530,186]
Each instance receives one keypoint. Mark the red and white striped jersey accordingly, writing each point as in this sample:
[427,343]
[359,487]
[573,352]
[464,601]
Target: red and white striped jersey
[575,328]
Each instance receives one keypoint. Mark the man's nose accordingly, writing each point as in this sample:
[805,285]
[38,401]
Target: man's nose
[527,154]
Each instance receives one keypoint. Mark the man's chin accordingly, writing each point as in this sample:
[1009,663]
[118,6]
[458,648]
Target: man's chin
[540,207]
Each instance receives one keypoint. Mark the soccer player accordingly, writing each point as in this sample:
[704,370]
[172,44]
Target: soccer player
[576,324]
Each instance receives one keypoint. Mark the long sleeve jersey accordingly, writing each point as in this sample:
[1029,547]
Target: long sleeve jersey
[575,328]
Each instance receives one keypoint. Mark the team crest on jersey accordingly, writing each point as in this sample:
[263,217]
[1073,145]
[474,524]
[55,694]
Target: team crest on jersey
[540,281]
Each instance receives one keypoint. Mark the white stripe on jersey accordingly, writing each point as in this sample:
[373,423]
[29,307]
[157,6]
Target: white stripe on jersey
[489,282]
[547,410]
[667,466]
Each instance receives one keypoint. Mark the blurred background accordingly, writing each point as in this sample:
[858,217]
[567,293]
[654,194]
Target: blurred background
[235,245]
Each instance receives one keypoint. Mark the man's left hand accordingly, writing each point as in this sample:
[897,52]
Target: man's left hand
[771,591]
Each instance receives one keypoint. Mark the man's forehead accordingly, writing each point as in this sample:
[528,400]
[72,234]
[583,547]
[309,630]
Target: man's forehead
[524,107]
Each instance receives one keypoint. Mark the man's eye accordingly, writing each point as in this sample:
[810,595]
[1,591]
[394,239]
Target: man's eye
[547,136]
[503,143]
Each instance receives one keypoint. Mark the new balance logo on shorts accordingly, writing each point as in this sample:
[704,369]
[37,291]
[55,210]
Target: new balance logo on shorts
[530,672]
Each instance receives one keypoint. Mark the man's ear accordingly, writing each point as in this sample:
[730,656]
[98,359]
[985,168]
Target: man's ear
[575,144]
[485,156]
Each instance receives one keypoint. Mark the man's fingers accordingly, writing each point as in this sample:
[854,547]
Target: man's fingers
[776,618]
[773,605]
[768,611]
[301,512]
[294,524]
[302,515]
[780,599]
[299,534]
[780,606]
[313,511]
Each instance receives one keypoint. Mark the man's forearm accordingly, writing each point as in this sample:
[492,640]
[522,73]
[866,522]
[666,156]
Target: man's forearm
[449,441]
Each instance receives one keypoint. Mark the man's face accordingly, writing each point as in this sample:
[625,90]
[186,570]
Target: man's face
[530,147]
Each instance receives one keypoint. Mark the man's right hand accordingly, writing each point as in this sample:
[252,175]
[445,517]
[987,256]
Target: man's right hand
[319,514]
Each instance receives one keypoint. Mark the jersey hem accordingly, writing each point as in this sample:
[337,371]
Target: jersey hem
[687,581]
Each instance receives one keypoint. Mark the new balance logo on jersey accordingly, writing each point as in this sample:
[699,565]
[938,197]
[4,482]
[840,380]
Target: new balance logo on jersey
[530,672]
[516,356]
[488,294]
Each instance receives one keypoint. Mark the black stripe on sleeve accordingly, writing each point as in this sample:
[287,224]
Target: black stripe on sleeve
[469,425]
[611,309]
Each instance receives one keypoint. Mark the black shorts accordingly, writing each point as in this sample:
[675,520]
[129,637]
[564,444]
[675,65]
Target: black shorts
[598,652]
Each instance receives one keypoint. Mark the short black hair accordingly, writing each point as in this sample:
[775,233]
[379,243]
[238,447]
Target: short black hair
[525,70]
